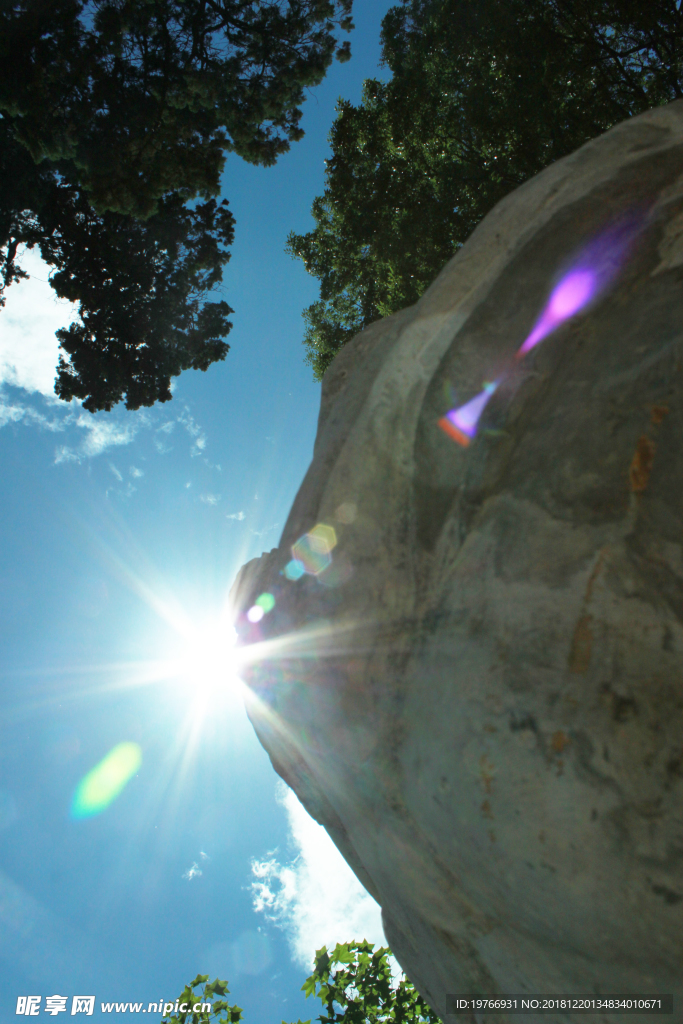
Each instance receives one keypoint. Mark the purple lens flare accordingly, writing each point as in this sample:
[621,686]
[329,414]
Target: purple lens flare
[461,424]
[586,279]
[574,291]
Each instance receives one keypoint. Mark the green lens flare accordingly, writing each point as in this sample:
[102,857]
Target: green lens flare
[266,601]
[106,780]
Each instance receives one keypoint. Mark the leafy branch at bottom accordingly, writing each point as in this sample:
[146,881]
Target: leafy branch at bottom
[354,983]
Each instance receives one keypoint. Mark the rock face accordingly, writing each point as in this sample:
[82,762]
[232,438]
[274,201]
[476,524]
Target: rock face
[481,697]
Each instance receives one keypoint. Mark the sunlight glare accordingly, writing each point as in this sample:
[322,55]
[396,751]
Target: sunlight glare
[207,661]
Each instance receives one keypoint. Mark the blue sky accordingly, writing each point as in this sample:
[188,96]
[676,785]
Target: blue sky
[122,533]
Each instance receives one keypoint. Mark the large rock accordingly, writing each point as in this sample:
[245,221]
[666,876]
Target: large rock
[482,697]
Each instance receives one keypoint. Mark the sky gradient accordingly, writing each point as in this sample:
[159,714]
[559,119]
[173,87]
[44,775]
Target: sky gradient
[122,535]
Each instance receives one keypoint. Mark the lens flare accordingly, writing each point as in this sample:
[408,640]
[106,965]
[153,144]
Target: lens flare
[263,604]
[599,263]
[313,551]
[267,602]
[571,294]
[461,424]
[574,291]
[323,537]
[294,569]
[106,780]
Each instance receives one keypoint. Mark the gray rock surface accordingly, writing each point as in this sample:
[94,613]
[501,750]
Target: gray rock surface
[482,697]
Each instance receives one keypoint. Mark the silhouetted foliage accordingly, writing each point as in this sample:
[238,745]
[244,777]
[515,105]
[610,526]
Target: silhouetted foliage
[483,95]
[116,118]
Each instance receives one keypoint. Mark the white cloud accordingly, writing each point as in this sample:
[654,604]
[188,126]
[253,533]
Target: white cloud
[210,499]
[100,431]
[65,454]
[126,493]
[239,516]
[100,434]
[188,421]
[116,472]
[193,872]
[15,412]
[29,353]
[11,414]
[194,430]
[267,529]
[134,471]
[316,898]
[32,313]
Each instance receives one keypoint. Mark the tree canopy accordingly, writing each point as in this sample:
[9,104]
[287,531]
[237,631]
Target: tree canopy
[353,982]
[483,95]
[115,120]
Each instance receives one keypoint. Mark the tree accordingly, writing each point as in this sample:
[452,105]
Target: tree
[484,94]
[116,118]
[362,988]
[138,283]
[353,982]
[220,1010]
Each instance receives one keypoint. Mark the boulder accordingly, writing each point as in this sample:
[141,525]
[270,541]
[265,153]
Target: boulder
[472,674]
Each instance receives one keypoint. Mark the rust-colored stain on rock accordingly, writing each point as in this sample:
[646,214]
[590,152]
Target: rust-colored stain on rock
[582,645]
[559,741]
[486,773]
[657,413]
[641,467]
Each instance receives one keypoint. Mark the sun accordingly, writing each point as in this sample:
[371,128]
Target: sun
[206,660]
